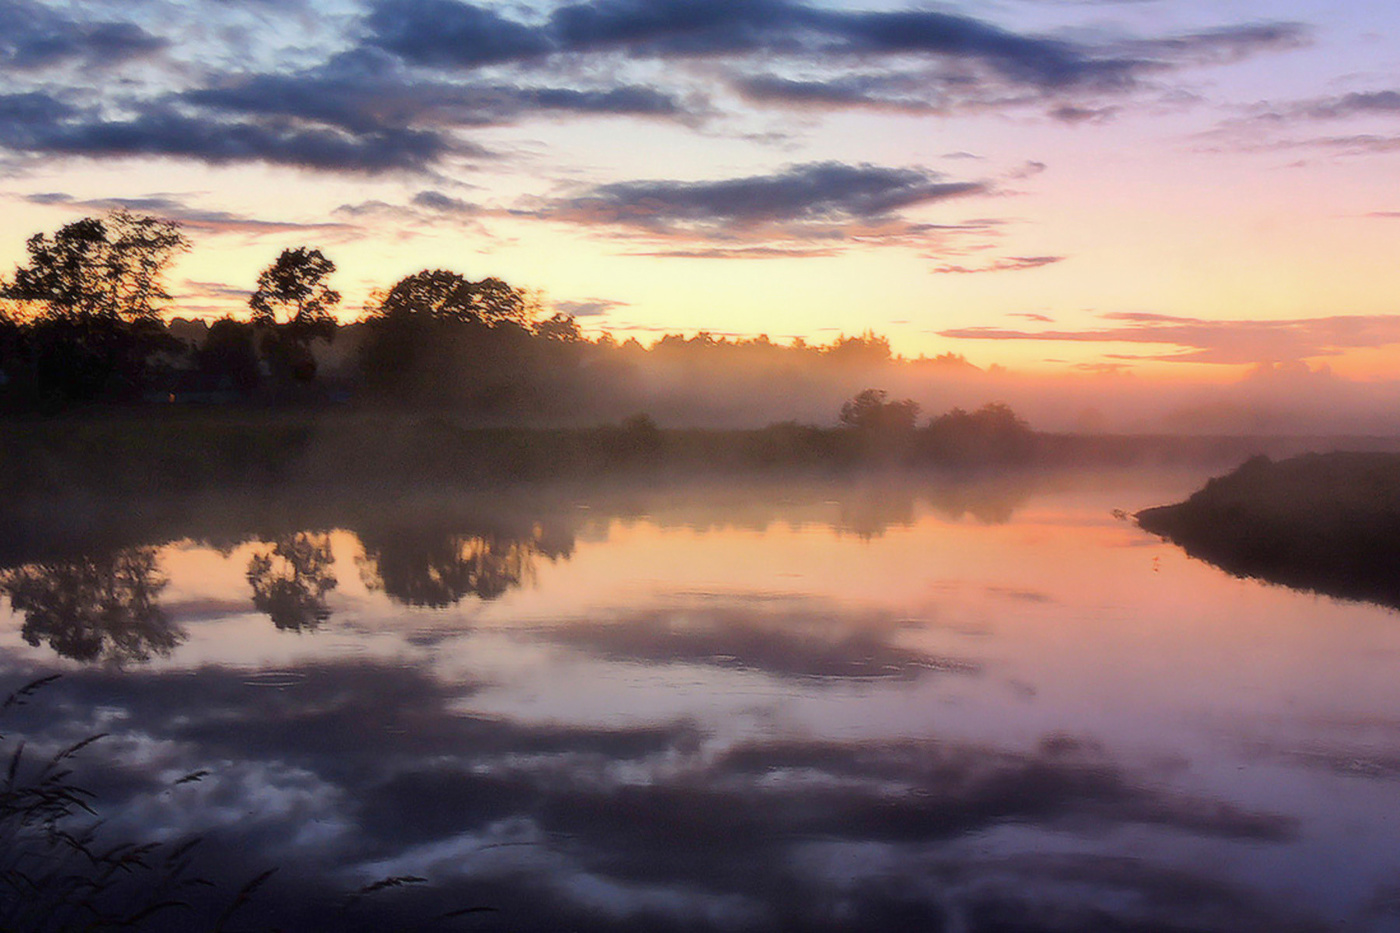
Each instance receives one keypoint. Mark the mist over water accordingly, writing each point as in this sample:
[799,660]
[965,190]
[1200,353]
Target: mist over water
[856,704]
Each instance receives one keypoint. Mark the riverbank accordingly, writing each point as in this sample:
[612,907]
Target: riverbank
[183,450]
[1323,522]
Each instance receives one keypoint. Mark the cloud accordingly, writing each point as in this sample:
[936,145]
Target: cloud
[33,37]
[739,252]
[817,207]
[1225,45]
[397,89]
[885,91]
[24,114]
[160,130]
[445,204]
[209,299]
[1357,144]
[791,639]
[1073,114]
[1258,128]
[444,33]
[1010,264]
[1385,102]
[425,209]
[588,307]
[366,91]
[1205,341]
[167,207]
[219,290]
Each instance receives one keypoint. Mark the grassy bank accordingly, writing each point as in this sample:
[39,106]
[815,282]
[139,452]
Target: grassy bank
[1324,522]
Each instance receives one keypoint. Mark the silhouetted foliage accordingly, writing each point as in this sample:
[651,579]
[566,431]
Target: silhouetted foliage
[870,412]
[293,292]
[559,327]
[867,349]
[479,352]
[292,306]
[437,338]
[290,580]
[57,871]
[881,430]
[101,607]
[992,434]
[228,358]
[449,297]
[99,268]
[93,292]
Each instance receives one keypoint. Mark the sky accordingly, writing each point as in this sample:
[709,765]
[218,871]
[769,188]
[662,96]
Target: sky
[1174,189]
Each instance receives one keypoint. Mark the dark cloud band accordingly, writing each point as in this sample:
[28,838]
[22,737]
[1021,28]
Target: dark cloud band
[816,192]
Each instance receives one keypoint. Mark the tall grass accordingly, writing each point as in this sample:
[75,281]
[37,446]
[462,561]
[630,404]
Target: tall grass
[59,872]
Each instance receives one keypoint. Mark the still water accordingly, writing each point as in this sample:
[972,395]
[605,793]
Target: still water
[873,705]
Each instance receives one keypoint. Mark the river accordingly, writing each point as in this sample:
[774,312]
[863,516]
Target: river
[876,704]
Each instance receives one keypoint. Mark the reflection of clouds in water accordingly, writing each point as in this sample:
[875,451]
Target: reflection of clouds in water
[295,810]
[1064,892]
[773,634]
[1368,750]
[361,767]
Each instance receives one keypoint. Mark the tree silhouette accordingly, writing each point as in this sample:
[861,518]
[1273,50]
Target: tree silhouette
[290,580]
[109,267]
[869,412]
[90,297]
[449,297]
[561,326]
[228,357]
[993,433]
[436,337]
[293,292]
[95,608]
[293,305]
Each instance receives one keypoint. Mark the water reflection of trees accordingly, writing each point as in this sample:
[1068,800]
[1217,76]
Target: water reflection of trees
[99,607]
[291,578]
[436,569]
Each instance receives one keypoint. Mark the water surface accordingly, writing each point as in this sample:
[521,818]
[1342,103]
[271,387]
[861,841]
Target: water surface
[872,705]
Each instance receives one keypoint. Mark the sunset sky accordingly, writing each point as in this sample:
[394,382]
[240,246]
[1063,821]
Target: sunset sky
[1178,186]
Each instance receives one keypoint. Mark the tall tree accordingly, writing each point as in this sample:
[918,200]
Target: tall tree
[91,296]
[293,293]
[449,297]
[110,267]
[437,337]
[293,304]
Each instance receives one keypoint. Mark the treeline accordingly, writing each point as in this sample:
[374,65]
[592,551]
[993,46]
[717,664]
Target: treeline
[83,322]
